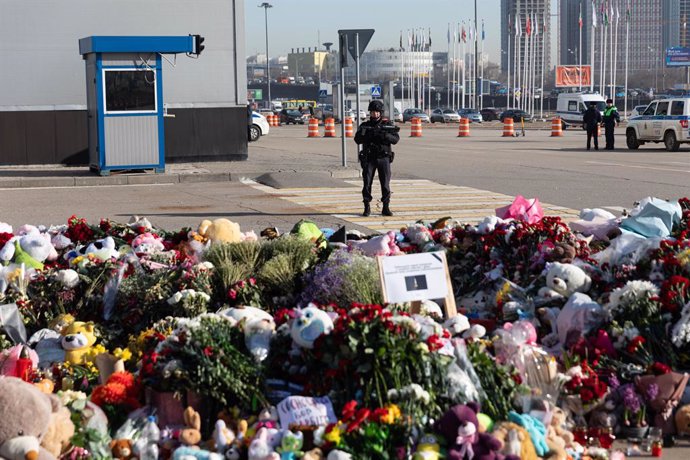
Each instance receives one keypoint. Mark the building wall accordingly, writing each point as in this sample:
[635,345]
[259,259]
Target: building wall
[522,8]
[569,32]
[42,77]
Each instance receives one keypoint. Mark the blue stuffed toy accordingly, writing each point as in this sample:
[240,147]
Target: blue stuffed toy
[535,428]
[189,453]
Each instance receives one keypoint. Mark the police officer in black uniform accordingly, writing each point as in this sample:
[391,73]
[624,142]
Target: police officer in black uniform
[611,120]
[376,137]
[592,119]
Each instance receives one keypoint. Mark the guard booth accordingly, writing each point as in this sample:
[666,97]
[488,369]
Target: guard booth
[124,96]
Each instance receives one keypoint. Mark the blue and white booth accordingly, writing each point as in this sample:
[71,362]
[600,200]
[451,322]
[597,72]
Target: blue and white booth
[124,96]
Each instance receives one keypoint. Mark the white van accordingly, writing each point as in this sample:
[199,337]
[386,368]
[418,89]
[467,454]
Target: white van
[571,107]
[664,120]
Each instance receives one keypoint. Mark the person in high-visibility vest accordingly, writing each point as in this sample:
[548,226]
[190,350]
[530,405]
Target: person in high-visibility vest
[611,120]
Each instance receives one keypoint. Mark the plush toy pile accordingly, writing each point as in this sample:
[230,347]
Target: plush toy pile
[127,341]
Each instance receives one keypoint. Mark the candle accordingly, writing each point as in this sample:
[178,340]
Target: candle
[24,366]
[656,449]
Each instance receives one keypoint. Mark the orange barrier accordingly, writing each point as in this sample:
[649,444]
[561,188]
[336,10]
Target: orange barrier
[556,127]
[464,129]
[313,129]
[329,128]
[349,132]
[508,127]
[416,127]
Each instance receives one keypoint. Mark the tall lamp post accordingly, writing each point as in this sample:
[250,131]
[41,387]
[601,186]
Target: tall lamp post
[266,6]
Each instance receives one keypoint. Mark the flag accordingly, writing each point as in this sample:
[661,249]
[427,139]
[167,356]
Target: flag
[627,11]
[463,35]
[471,34]
[483,32]
[518,27]
[429,39]
[618,12]
[510,26]
[401,45]
[448,35]
[579,21]
[528,27]
[594,15]
[536,24]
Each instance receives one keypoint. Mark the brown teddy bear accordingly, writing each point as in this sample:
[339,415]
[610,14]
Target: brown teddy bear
[683,420]
[220,231]
[122,449]
[191,433]
[516,440]
[26,416]
[57,438]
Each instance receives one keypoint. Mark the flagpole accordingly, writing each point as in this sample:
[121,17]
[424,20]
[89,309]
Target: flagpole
[448,70]
[525,65]
[455,62]
[402,76]
[579,48]
[516,60]
[543,56]
[431,68]
[481,78]
[464,66]
[612,91]
[591,46]
[627,32]
[535,57]
[510,32]
[605,54]
[615,60]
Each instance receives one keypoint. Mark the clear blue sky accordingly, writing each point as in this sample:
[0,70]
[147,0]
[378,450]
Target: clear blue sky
[306,23]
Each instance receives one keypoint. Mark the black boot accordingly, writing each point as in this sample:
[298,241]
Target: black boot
[386,210]
[367,210]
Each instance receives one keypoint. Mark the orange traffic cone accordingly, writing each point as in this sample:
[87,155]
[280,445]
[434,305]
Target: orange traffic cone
[508,127]
[416,127]
[556,127]
[349,132]
[464,128]
[313,128]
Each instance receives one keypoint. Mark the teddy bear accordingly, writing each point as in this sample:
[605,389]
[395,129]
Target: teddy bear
[220,231]
[516,440]
[190,435]
[309,324]
[147,243]
[20,434]
[558,425]
[77,340]
[260,448]
[381,245]
[29,247]
[121,449]
[562,280]
[682,420]
[290,445]
[56,439]
[460,428]
[579,315]
[314,454]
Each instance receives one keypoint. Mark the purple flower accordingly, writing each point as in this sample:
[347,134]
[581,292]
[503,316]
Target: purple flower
[652,392]
[631,400]
[614,382]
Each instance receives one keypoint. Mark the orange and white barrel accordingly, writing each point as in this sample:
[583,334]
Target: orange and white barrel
[416,127]
[329,128]
[313,128]
[556,127]
[464,128]
[349,132]
[508,127]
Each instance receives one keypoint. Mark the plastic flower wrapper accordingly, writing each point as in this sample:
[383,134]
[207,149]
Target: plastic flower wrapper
[258,333]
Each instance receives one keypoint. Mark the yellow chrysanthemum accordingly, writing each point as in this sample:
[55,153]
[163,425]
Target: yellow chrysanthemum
[393,415]
[683,257]
[77,260]
[502,293]
[335,435]
[124,355]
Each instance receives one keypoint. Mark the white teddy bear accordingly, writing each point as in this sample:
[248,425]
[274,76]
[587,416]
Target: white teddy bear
[563,280]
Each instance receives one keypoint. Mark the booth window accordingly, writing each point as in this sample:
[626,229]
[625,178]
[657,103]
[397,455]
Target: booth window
[130,90]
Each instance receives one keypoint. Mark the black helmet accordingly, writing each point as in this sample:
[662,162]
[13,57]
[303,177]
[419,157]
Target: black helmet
[375,105]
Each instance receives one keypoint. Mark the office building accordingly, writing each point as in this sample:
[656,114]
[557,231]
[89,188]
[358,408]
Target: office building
[569,42]
[540,13]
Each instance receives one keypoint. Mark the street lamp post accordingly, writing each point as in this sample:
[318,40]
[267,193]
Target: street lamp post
[266,6]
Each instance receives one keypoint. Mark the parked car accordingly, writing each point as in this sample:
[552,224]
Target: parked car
[363,114]
[490,114]
[516,115]
[473,115]
[664,120]
[409,114]
[258,128]
[638,110]
[293,116]
[444,116]
[397,116]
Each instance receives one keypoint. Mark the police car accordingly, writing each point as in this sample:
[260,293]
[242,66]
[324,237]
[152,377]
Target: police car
[664,120]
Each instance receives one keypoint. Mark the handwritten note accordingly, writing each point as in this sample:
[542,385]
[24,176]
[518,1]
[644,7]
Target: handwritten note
[301,410]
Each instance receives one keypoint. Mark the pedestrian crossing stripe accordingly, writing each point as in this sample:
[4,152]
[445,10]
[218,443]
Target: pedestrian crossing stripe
[412,200]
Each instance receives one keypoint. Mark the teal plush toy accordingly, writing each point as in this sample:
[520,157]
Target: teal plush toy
[535,428]
[290,446]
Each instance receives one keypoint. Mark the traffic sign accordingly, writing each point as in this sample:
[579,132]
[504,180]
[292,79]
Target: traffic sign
[376,91]
[349,39]
[323,93]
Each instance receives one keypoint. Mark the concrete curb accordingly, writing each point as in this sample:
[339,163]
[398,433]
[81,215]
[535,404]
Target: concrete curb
[151,179]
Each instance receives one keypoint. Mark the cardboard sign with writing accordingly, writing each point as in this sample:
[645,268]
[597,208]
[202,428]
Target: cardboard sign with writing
[417,277]
[301,410]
